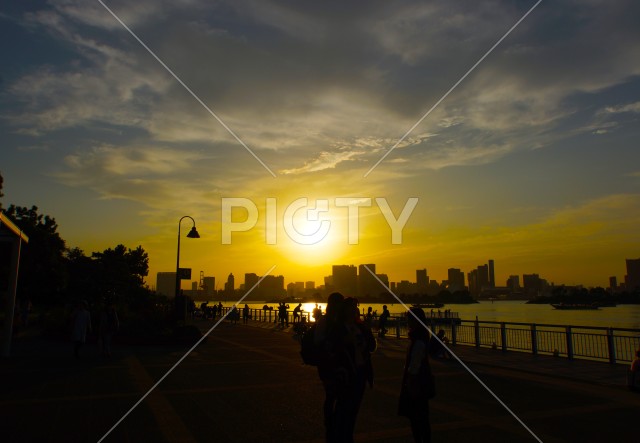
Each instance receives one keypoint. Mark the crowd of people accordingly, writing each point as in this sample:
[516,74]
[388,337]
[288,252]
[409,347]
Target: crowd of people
[346,369]
[346,340]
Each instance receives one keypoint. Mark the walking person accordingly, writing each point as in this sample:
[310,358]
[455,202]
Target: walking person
[354,342]
[326,326]
[417,380]
[81,326]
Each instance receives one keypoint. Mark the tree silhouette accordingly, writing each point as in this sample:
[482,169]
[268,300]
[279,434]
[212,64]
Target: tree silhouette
[114,275]
[43,273]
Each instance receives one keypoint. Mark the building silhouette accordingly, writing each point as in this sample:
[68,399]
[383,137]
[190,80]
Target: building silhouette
[422,281]
[632,279]
[166,283]
[384,278]
[310,286]
[367,283]
[513,282]
[455,279]
[345,279]
[478,279]
[272,286]
[492,275]
[533,284]
[230,285]
[250,279]
[208,287]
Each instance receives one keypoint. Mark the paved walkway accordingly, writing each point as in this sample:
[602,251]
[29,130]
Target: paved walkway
[246,383]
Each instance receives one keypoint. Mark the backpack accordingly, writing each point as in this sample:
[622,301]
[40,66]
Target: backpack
[312,353]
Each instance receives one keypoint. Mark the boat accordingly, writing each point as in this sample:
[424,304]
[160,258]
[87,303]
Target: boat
[574,306]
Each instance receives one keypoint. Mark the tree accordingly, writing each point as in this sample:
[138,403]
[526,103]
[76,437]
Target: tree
[120,273]
[83,279]
[43,273]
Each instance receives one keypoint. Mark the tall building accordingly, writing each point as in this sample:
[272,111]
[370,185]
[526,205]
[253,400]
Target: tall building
[166,283]
[613,282]
[328,284]
[384,278]
[345,279]
[532,283]
[295,289]
[478,279]
[309,285]
[367,283]
[250,279]
[632,279]
[405,287]
[513,282]
[456,279]
[422,281]
[230,285]
[492,275]
[209,287]
[483,277]
[472,278]
[272,286]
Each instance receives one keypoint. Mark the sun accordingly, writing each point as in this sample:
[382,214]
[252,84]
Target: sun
[312,242]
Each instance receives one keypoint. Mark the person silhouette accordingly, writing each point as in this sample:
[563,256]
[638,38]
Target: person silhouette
[417,380]
[296,313]
[326,326]
[245,314]
[382,321]
[353,342]
[81,327]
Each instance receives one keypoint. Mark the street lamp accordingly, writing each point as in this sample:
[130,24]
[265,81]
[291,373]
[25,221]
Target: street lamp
[192,234]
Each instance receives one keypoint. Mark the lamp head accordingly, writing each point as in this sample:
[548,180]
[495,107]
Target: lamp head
[193,233]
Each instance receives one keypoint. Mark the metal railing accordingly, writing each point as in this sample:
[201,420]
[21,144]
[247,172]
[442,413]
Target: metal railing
[583,342]
[266,315]
[580,342]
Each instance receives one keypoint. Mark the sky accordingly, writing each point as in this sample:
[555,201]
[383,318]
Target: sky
[532,159]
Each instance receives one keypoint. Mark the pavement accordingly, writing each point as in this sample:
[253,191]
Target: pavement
[246,383]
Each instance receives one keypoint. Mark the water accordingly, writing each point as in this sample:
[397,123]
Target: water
[622,316]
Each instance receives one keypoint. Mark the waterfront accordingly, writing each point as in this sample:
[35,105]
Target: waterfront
[234,387]
[579,336]
[622,316]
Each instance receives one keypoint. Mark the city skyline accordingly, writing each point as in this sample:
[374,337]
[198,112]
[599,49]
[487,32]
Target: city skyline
[515,143]
[358,280]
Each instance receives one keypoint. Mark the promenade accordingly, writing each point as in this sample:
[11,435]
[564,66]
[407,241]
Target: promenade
[247,383]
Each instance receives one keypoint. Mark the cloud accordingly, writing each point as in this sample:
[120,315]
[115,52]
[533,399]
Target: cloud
[312,88]
[630,107]
[131,161]
[325,160]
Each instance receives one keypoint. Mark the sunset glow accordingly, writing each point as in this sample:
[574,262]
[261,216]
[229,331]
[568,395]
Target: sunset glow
[531,161]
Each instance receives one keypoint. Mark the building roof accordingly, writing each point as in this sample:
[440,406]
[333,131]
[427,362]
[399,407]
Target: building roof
[8,228]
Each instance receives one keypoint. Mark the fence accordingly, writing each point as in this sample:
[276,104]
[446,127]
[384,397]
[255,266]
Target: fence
[586,342]
[269,315]
[582,342]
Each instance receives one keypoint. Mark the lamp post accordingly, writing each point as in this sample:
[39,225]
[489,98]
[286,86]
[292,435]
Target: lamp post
[192,234]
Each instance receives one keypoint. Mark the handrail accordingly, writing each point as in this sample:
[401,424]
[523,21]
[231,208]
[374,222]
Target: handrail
[614,345]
